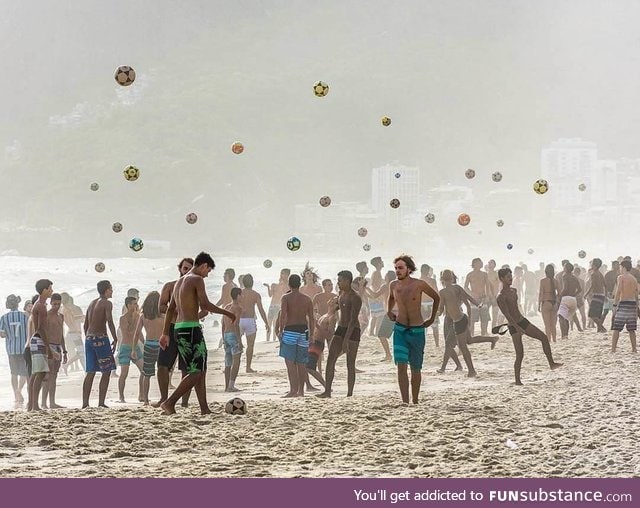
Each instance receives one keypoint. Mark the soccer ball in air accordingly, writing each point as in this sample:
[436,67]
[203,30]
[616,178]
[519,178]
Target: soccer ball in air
[470,173]
[267,263]
[530,251]
[464,219]
[366,247]
[499,223]
[362,232]
[325,201]
[117,227]
[540,186]
[236,406]
[99,267]
[582,254]
[509,246]
[320,89]
[294,243]
[237,148]
[582,187]
[386,121]
[191,218]
[394,203]
[94,186]
[135,244]
[131,173]
[429,218]
[125,75]
[497,176]
[397,175]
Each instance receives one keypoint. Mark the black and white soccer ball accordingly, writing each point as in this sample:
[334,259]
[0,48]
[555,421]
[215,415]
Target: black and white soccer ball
[267,263]
[362,232]
[191,218]
[499,223]
[325,201]
[497,176]
[125,75]
[429,218]
[116,227]
[136,244]
[366,247]
[99,267]
[131,173]
[94,186]
[320,88]
[540,186]
[236,406]
[470,173]
[394,203]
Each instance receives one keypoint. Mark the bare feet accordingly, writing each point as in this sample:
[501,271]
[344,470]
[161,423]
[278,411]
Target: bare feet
[386,359]
[324,395]
[493,342]
[121,401]
[167,409]
[234,389]
[440,371]
[472,373]
[103,405]
[289,395]
[57,406]
[555,365]
[157,404]
[85,406]
[184,404]
[312,389]
[458,368]
[251,371]
[205,411]
[358,371]
[519,383]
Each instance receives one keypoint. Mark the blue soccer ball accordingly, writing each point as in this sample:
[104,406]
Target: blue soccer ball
[294,243]
[136,244]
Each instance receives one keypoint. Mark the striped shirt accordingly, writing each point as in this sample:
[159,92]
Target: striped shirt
[14,325]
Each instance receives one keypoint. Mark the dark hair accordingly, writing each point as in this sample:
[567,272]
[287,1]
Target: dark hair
[626,264]
[56,296]
[247,281]
[150,308]
[549,271]
[294,281]
[425,268]
[615,262]
[129,299]
[375,260]
[102,286]
[230,272]
[568,267]
[43,284]
[390,275]
[325,282]
[235,293]
[286,270]
[474,260]
[182,261]
[204,259]
[503,271]
[597,262]
[408,260]
[360,265]
[34,298]
[132,292]
[346,274]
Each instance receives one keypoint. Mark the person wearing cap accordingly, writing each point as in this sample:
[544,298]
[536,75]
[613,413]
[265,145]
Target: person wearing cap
[13,328]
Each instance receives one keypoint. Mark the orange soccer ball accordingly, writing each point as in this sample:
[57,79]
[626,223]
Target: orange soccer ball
[464,219]
[237,148]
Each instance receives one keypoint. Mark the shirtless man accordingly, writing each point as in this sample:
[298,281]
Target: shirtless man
[426,274]
[248,301]
[625,306]
[376,305]
[167,357]
[597,292]
[493,289]
[55,334]
[73,317]
[409,329]
[98,352]
[610,279]
[131,349]
[323,331]
[530,291]
[39,343]
[346,338]
[477,283]
[310,285]
[232,342]
[452,297]
[385,330]
[225,295]
[568,300]
[276,291]
[578,274]
[187,299]
[321,300]
[518,325]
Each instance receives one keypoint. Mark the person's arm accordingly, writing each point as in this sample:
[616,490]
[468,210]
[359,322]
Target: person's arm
[278,325]
[619,282]
[204,302]
[165,298]
[540,296]
[41,328]
[85,325]
[311,319]
[391,302]
[108,309]
[440,306]
[138,329]
[467,282]
[268,286]
[283,314]
[64,347]
[263,314]
[465,297]
[435,296]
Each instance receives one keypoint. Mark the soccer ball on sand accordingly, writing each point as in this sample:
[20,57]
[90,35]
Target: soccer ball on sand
[236,406]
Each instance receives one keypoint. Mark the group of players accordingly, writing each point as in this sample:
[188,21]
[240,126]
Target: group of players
[305,317]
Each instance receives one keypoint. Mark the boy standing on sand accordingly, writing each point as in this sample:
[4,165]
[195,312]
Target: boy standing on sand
[519,325]
[232,342]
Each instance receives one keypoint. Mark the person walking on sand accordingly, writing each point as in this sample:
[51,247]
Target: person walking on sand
[409,328]
[518,325]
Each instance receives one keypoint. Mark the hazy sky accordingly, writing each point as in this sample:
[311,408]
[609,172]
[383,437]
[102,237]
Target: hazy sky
[482,84]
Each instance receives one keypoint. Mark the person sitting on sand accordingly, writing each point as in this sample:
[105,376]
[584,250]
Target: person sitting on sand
[518,325]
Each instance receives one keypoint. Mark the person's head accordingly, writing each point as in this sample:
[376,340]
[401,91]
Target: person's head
[517,271]
[345,278]
[104,289]
[131,303]
[34,299]
[615,266]
[185,265]
[564,262]
[294,281]
[28,305]
[67,299]
[404,266]
[476,263]
[229,275]
[567,267]
[362,268]
[491,264]
[12,302]
[309,275]
[235,293]
[626,265]
[627,258]
[390,276]
[203,264]
[506,276]
[134,293]
[327,285]
[56,301]
[542,267]
[247,280]
[150,307]
[284,274]
[447,277]
[425,270]
[577,271]
[241,281]
[377,263]
[550,271]
[524,267]
[44,287]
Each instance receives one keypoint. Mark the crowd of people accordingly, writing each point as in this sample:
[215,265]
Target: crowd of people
[306,316]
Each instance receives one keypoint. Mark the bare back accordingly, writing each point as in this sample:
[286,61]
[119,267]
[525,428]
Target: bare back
[627,288]
[99,314]
[296,307]
[248,300]
[153,327]
[186,296]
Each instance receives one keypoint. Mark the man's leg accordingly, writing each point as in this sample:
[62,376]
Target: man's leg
[403,382]
[105,377]
[140,366]
[614,341]
[186,384]
[416,382]
[163,384]
[292,374]
[14,387]
[334,352]
[535,332]
[317,375]
[462,345]
[86,388]
[233,372]
[351,366]
[517,365]
[479,339]
[385,346]
[251,340]
[201,392]
[53,385]
[632,336]
[564,327]
[124,373]
[37,384]
[301,376]
[145,389]
[45,391]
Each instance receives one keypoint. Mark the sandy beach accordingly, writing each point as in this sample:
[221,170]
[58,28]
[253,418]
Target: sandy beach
[578,421]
